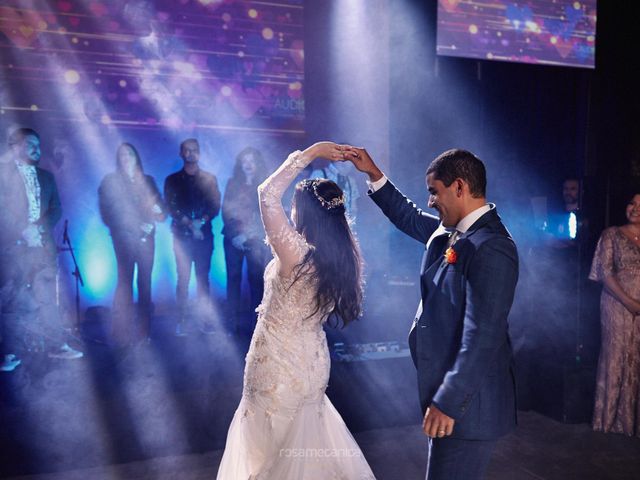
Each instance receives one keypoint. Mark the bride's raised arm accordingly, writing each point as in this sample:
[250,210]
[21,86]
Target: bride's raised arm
[287,244]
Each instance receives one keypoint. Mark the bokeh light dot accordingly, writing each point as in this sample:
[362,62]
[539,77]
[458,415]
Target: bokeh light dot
[473,29]
[226,17]
[34,108]
[105,119]
[72,76]
[577,5]
[74,40]
[241,54]
[253,13]
[226,91]
[553,40]
[267,33]
[122,83]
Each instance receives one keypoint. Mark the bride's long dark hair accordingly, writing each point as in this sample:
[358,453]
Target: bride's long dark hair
[334,261]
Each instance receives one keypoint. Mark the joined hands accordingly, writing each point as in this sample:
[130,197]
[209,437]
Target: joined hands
[346,153]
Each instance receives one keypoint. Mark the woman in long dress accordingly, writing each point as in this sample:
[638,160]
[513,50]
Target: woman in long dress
[285,426]
[130,205]
[617,265]
[243,233]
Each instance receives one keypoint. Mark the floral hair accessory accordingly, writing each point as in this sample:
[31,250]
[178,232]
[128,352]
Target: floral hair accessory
[327,204]
[450,255]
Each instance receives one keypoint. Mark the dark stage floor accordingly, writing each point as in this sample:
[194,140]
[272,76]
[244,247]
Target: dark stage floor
[541,449]
[161,409]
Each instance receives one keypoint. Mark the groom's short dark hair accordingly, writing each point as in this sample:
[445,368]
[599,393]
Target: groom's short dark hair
[457,163]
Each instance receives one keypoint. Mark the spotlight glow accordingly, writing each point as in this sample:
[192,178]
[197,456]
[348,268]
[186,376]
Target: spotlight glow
[72,77]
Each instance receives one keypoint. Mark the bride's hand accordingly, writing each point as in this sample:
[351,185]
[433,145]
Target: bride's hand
[329,150]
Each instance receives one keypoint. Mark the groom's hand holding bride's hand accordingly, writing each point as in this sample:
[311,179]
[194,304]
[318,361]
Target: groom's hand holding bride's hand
[363,162]
[436,424]
[329,150]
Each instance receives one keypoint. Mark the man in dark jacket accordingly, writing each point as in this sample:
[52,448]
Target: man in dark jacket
[193,200]
[459,339]
[30,210]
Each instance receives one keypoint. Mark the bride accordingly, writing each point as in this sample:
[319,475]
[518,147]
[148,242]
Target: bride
[285,426]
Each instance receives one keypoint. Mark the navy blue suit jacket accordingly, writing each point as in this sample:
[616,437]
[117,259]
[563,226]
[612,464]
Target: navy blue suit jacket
[460,342]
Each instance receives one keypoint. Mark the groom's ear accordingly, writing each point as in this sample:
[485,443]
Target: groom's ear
[460,185]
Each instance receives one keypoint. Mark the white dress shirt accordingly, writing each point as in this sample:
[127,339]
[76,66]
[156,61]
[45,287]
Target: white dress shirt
[32,186]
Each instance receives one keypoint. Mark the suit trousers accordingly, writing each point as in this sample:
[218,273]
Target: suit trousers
[30,314]
[458,459]
[255,254]
[190,251]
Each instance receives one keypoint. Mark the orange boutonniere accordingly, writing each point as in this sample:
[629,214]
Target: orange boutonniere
[450,256]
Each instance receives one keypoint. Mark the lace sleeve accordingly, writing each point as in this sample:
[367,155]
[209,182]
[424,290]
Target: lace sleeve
[603,264]
[287,244]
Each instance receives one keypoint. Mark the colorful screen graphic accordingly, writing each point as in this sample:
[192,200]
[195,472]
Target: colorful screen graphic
[549,32]
[173,64]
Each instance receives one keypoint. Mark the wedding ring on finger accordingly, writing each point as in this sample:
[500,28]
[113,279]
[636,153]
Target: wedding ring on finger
[441,433]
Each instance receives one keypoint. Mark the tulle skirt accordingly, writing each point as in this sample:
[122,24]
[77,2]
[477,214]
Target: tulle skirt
[307,441]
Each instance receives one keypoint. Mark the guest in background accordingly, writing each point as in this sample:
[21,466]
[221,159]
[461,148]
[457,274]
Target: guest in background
[30,210]
[616,265]
[243,231]
[193,200]
[562,262]
[130,204]
[566,222]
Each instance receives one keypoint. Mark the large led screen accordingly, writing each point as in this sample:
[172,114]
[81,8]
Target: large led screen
[548,32]
[172,64]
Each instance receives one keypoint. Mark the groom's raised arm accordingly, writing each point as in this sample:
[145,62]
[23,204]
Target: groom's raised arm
[402,212]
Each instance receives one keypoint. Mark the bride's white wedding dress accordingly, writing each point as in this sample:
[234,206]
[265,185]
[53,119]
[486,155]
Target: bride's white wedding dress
[285,427]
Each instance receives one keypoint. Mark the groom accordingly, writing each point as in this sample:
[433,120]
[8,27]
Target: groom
[459,339]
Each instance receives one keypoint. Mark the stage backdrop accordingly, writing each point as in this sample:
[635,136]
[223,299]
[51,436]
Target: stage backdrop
[90,74]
